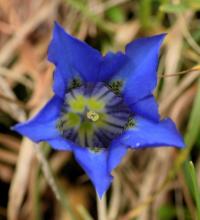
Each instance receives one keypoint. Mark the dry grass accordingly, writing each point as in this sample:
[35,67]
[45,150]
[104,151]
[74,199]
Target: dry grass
[150,184]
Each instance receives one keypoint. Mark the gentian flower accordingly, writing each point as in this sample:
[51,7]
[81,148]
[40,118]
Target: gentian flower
[102,105]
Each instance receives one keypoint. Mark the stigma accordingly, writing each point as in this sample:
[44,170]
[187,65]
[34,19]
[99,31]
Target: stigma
[93,116]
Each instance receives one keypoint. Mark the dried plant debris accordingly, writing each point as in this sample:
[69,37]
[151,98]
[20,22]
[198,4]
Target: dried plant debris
[38,182]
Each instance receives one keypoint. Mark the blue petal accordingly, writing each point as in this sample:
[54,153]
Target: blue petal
[111,65]
[59,143]
[43,126]
[151,134]
[59,85]
[139,74]
[70,56]
[116,152]
[95,165]
[147,108]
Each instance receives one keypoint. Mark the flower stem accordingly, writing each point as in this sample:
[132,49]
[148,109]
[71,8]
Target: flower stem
[101,208]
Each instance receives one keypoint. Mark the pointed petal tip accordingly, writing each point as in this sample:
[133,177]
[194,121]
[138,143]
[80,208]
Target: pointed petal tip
[57,34]
[139,70]
[56,23]
[101,189]
[153,41]
[150,134]
[17,127]
[96,167]
[161,37]
[20,128]
[178,138]
[181,143]
[12,128]
[100,195]
[58,27]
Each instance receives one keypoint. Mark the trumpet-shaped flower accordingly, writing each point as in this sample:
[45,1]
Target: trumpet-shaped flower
[102,105]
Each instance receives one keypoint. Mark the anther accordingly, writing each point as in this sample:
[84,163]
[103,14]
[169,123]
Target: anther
[92,115]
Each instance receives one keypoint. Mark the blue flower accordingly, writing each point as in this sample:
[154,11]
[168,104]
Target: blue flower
[102,105]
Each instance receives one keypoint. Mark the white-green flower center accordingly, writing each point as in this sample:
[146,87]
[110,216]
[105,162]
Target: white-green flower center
[92,116]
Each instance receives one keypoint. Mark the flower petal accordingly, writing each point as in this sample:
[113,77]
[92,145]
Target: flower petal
[151,134]
[59,143]
[95,165]
[116,152]
[43,126]
[139,74]
[146,107]
[70,56]
[111,64]
[59,83]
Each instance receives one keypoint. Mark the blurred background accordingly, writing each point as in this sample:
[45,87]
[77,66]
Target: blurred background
[149,184]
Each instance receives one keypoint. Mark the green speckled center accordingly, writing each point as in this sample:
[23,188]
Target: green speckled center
[92,116]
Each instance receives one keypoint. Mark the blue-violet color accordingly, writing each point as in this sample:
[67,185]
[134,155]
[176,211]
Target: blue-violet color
[102,105]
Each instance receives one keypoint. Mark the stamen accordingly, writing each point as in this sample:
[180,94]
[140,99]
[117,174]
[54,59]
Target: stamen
[129,124]
[92,115]
[116,86]
[75,83]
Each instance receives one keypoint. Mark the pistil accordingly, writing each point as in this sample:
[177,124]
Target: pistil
[93,116]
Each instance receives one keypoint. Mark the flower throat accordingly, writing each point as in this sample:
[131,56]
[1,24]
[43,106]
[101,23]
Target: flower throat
[92,116]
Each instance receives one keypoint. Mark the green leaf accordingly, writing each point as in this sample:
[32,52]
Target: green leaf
[82,7]
[115,14]
[173,8]
[187,177]
[145,8]
[194,4]
[194,122]
[194,185]
[166,212]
